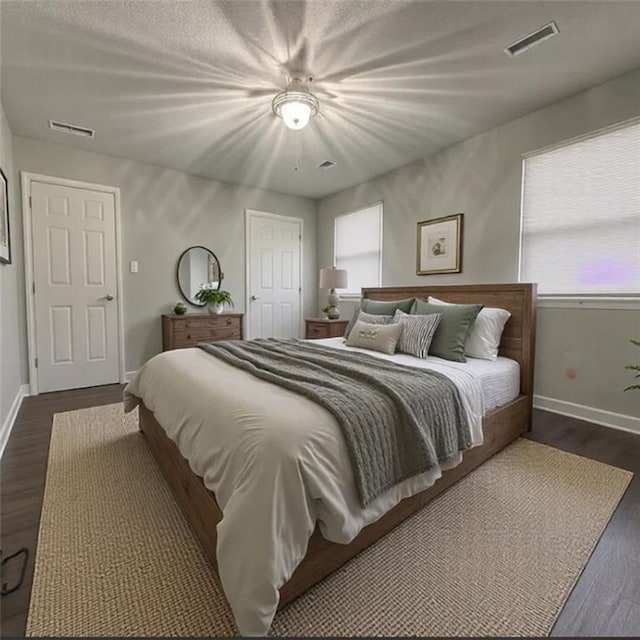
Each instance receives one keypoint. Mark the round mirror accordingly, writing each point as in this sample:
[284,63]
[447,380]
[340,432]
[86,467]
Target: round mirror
[197,266]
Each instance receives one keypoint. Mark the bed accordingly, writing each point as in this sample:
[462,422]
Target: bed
[506,415]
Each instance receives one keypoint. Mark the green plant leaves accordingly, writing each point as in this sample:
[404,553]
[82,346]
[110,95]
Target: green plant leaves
[634,367]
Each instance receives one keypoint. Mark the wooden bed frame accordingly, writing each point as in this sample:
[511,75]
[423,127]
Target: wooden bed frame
[501,426]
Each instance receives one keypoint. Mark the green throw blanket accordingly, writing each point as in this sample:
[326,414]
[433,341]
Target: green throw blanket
[397,421]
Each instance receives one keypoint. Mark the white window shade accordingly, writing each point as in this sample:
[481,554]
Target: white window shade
[581,216]
[358,247]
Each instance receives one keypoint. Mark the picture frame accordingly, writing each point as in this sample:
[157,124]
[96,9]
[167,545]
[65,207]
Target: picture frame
[440,245]
[5,231]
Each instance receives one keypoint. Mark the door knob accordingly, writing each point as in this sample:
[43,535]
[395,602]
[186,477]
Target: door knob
[109,297]
[254,297]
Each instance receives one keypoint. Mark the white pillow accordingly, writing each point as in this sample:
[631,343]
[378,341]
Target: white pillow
[486,333]
[377,337]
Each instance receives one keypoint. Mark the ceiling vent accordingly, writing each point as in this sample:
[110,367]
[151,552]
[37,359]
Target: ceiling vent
[63,127]
[523,44]
[327,164]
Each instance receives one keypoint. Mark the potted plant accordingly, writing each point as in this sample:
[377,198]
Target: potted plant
[215,300]
[634,367]
[180,308]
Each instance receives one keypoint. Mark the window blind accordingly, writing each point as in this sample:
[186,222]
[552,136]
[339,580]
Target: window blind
[358,247]
[581,216]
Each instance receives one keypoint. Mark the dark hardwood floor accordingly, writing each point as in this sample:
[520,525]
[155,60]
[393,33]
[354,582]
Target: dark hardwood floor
[22,475]
[604,602]
[606,598]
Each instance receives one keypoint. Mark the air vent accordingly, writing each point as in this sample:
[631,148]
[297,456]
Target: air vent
[63,127]
[327,164]
[521,45]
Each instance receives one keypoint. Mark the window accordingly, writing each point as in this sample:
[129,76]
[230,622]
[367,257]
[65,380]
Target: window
[581,216]
[358,247]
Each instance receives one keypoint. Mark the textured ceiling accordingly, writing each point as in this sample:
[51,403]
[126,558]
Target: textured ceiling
[188,84]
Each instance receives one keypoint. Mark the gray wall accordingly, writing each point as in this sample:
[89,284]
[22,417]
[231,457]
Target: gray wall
[481,177]
[13,350]
[164,212]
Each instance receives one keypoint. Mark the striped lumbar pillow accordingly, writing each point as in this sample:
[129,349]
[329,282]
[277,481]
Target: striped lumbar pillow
[417,334]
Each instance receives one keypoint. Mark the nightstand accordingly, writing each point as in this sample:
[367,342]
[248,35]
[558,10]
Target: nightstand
[324,328]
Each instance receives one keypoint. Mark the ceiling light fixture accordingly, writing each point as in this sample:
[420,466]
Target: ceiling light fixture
[296,105]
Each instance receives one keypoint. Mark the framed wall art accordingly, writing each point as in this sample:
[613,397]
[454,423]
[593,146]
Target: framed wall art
[440,245]
[5,236]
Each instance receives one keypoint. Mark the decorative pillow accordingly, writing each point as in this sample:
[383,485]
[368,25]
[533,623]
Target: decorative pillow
[486,333]
[354,319]
[453,330]
[377,337]
[386,307]
[371,318]
[378,308]
[417,333]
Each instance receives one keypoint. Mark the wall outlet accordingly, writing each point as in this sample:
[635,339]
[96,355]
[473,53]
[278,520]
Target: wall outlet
[133,266]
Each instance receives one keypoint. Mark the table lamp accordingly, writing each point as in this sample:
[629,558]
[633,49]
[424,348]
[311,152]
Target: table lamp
[333,279]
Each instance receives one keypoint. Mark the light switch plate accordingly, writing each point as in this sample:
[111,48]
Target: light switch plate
[133,266]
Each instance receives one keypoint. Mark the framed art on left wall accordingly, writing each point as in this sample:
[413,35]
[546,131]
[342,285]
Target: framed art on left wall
[5,235]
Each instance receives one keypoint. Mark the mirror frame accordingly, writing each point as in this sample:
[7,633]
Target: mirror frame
[182,293]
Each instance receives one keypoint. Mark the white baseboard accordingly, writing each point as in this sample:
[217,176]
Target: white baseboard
[7,425]
[129,374]
[590,414]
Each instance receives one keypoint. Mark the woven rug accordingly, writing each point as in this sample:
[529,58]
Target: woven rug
[497,554]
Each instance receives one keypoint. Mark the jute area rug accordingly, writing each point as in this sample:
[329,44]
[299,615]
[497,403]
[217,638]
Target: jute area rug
[495,555]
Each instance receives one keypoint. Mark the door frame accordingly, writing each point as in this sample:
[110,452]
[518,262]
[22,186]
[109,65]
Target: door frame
[255,213]
[27,224]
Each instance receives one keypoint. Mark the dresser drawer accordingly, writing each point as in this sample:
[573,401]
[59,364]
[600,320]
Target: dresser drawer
[183,324]
[316,330]
[204,334]
[179,332]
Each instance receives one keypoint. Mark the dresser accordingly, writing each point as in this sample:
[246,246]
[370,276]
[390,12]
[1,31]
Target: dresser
[189,329]
[324,328]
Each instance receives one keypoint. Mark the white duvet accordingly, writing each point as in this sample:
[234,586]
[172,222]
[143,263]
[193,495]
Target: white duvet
[276,462]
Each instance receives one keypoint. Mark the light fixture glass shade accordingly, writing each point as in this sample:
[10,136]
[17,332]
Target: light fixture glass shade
[295,114]
[296,107]
[333,279]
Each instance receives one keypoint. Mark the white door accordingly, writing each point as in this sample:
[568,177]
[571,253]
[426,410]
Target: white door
[274,288]
[75,287]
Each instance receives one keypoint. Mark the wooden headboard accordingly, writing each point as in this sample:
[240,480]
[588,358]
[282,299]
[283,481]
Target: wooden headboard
[518,338]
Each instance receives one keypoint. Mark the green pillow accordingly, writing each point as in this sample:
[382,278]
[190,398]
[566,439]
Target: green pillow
[453,330]
[378,308]
[386,307]
[354,319]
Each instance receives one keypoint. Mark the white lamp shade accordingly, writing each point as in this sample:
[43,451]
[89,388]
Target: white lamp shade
[333,279]
[295,114]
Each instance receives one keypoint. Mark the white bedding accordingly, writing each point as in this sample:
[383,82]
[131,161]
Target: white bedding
[499,380]
[277,463]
